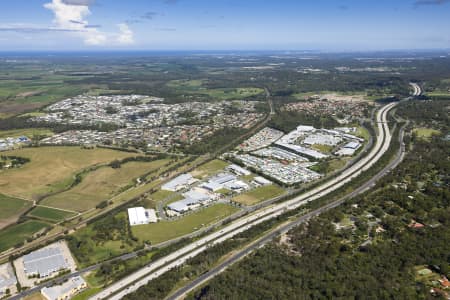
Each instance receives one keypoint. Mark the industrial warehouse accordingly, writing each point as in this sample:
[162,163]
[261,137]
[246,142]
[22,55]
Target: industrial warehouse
[141,216]
[44,263]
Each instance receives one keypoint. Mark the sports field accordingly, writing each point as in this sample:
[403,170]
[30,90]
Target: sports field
[166,230]
[100,185]
[259,194]
[50,214]
[18,233]
[51,168]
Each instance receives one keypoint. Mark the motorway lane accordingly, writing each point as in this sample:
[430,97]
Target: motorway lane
[202,279]
[178,257]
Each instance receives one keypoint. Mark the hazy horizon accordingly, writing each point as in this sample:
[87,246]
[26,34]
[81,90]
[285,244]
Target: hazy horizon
[196,25]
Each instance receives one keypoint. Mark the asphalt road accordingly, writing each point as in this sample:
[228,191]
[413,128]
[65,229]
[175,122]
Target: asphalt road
[202,279]
[155,269]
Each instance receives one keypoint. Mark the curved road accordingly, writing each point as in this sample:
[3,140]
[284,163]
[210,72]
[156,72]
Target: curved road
[132,282]
[267,238]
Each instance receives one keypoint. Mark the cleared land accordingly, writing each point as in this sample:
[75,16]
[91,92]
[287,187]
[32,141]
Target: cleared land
[166,230]
[425,133]
[322,148]
[29,132]
[259,194]
[50,214]
[35,296]
[198,87]
[362,132]
[12,235]
[51,169]
[100,185]
[10,209]
[210,168]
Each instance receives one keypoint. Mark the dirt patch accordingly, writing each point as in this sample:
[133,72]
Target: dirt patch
[286,244]
[18,108]
[336,97]
[29,94]
[8,221]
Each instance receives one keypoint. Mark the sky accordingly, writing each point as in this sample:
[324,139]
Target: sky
[324,25]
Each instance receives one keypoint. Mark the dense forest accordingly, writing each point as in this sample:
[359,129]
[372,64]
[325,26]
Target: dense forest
[376,253]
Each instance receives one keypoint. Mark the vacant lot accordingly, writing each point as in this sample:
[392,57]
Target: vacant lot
[50,214]
[200,87]
[425,133]
[166,230]
[10,209]
[35,296]
[210,168]
[27,132]
[233,94]
[15,234]
[51,169]
[259,194]
[100,185]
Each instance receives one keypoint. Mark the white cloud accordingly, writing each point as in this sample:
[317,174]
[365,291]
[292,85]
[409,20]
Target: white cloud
[73,17]
[126,35]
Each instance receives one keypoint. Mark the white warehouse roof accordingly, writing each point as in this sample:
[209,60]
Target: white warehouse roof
[141,216]
[178,182]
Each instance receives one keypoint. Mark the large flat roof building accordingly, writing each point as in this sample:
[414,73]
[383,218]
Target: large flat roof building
[7,278]
[192,200]
[179,183]
[238,170]
[44,262]
[65,291]
[141,216]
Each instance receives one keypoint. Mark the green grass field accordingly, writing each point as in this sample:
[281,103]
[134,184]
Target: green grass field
[232,93]
[35,296]
[166,230]
[51,169]
[210,168]
[18,233]
[10,207]
[197,87]
[94,249]
[99,185]
[322,148]
[29,132]
[161,195]
[259,194]
[50,214]
[425,133]
[362,132]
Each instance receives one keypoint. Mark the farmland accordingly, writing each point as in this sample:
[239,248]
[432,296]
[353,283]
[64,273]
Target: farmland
[17,233]
[50,169]
[11,208]
[50,214]
[100,185]
[259,194]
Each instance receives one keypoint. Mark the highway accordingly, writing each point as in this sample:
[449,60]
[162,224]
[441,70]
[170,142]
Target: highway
[141,277]
[205,159]
[417,90]
[268,237]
